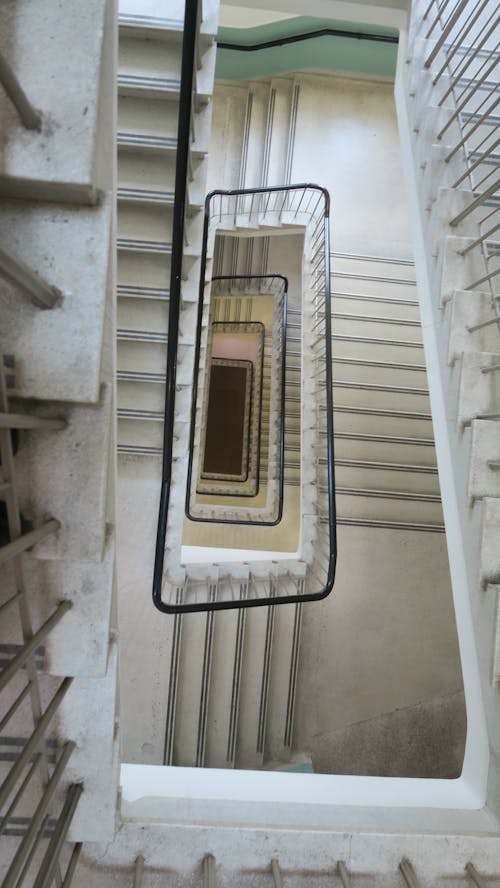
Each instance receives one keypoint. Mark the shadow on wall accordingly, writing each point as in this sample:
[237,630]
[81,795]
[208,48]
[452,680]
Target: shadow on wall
[426,740]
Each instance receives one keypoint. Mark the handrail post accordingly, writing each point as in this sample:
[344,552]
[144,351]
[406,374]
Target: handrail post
[36,821]
[51,859]
[138,871]
[30,117]
[209,871]
[30,647]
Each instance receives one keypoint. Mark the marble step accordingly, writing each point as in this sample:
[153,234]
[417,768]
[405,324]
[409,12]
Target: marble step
[66,159]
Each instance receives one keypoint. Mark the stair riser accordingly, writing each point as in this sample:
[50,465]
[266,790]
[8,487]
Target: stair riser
[151,223]
[140,269]
[137,116]
[150,58]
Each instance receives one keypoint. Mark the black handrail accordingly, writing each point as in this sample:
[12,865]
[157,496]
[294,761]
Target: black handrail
[168,431]
[308,35]
[275,521]
[179,212]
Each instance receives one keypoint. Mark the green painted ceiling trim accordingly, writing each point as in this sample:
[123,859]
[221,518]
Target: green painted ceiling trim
[329,53]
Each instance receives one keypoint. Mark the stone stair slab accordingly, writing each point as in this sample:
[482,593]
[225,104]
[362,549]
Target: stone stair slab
[57,351]
[64,474]
[479,391]
[484,469]
[88,715]
[61,161]
[90,588]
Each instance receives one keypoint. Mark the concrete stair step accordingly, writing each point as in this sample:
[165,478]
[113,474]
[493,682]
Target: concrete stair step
[494,591]
[91,587]
[373,395]
[150,57]
[486,129]
[139,118]
[411,374]
[448,205]
[88,715]
[149,87]
[134,356]
[151,172]
[80,452]
[148,27]
[150,178]
[138,314]
[162,29]
[50,345]
[387,326]
[374,266]
[473,324]
[156,87]
[145,223]
[364,301]
[484,466]
[383,505]
[153,60]
[67,159]
[150,396]
[154,294]
[374,283]
[376,474]
[461,264]
[377,347]
[150,270]
[382,422]
[144,196]
[479,391]
[140,432]
[369,446]
[490,554]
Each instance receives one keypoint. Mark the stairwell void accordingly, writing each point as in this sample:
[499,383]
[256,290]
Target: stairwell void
[308,573]
[379,663]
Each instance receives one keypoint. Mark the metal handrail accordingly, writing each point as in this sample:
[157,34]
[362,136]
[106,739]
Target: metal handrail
[308,35]
[232,209]
[249,521]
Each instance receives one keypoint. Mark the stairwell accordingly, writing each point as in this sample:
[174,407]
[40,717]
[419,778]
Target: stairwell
[292,829]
